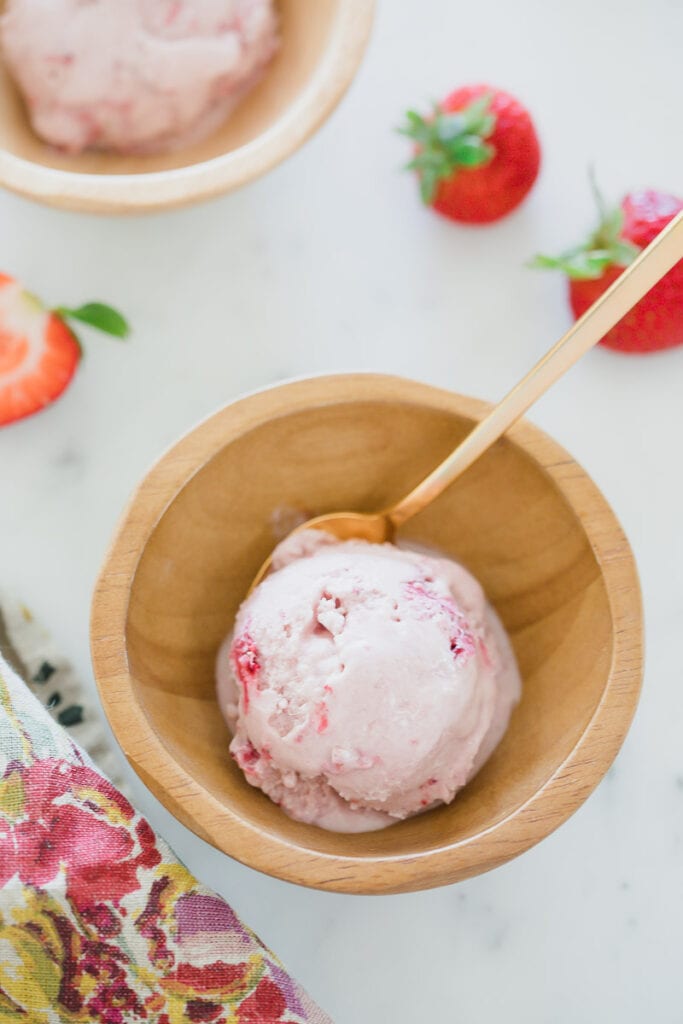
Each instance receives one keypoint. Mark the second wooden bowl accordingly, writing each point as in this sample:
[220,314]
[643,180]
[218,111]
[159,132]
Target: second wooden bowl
[322,43]
[525,519]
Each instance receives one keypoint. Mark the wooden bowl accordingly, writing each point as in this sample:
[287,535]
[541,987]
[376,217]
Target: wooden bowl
[322,43]
[525,519]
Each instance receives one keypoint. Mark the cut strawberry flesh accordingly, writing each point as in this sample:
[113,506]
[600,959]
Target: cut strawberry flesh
[13,351]
[38,354]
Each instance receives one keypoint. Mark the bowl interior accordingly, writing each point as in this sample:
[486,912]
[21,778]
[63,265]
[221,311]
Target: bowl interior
[505,519]
[305,30]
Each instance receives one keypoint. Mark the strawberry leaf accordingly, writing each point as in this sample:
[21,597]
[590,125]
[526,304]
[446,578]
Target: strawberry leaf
[577,263]
[589,265]
[479,108]
[471,151]
[623,253]
[542,262]
[416,127]
[99,315]
[429,183]
[449,126]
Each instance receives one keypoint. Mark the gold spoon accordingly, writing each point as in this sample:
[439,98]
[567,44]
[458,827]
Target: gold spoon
[649,267]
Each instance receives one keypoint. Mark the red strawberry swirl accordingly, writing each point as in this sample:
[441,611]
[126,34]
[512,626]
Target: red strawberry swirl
[462,641]
[246,663]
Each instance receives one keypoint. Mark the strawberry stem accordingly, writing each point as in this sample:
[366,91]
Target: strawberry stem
[597,194]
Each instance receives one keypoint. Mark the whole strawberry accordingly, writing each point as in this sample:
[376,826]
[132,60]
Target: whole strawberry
[656,322]
[476,155]
[39,353]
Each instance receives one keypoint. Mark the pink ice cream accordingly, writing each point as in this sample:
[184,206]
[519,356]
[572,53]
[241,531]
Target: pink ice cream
[134,75]
[364,683]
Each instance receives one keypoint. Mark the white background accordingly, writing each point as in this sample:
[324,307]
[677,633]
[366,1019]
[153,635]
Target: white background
[330,263]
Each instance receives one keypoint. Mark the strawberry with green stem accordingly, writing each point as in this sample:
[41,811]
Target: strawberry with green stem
[39,352]
[656,322]
[476,155]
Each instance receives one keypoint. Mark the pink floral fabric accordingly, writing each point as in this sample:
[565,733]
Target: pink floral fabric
[98,921]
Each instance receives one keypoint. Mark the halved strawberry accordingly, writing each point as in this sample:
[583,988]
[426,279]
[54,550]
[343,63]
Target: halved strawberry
[39,353]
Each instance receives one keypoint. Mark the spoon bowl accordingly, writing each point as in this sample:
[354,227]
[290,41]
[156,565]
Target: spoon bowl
[374,527]
[525,519]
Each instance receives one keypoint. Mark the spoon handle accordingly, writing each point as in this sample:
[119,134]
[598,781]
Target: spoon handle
[649,267]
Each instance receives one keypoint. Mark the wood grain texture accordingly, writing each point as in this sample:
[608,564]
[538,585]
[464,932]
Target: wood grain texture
[322,44]
[525,519]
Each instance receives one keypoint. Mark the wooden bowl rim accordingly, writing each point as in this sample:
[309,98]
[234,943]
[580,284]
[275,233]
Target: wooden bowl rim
[158,190]
[568,787]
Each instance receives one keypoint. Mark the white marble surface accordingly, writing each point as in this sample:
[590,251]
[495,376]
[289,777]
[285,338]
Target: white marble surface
[330,263]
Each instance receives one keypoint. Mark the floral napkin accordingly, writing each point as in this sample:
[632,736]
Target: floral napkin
[98,920]
[31,652]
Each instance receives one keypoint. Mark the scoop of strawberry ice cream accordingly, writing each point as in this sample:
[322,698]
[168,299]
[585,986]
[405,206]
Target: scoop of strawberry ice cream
[134,75]
[364,683]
